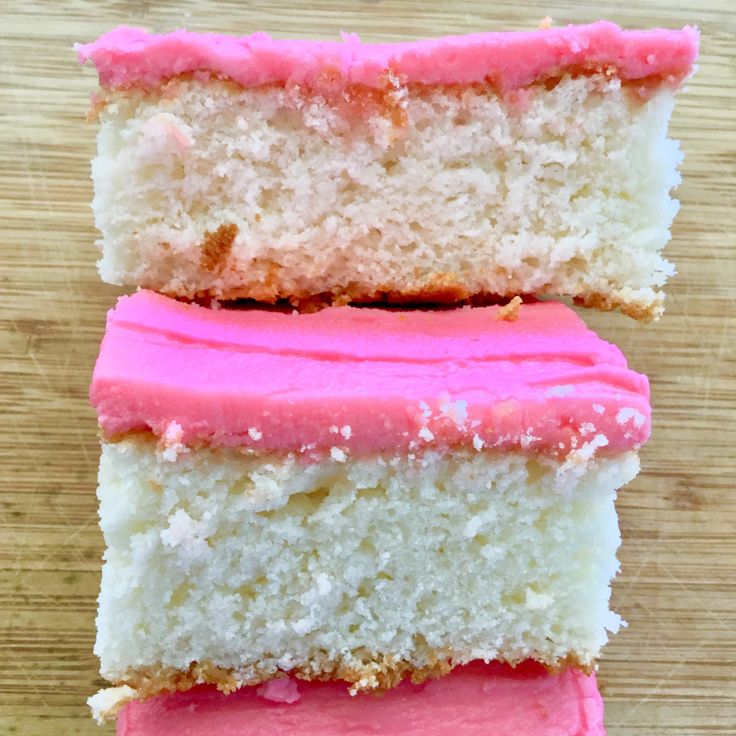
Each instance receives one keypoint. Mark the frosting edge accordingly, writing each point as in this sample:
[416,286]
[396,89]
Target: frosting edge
[129,56]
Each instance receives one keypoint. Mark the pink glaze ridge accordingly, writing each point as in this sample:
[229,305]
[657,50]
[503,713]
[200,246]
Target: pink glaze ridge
[127,57]
[474,700]
[348,380]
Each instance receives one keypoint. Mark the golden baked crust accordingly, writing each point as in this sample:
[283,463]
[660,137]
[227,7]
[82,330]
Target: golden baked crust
[380,673]
[216,247]
[443,289]
[648,312]
[510,312]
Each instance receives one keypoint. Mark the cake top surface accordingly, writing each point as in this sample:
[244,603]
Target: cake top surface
[348,379]
[127,57]
[472,699]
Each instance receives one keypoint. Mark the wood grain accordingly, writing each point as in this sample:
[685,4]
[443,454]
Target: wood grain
[672,671]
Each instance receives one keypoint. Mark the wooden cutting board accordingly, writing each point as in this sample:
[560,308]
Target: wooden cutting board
[671,672]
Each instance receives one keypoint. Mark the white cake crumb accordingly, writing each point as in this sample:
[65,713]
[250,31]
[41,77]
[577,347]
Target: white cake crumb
[173,433]
[538,601]
[171,440]
[627,414]
[255,434]
[337,454]
[170,454]
[478,443]
[600,440]
[426,434]
[578,460]
[303,625]
[456,411]
[527,439]
[183,531]
[346,431]
[426,411]
[472,527]
[165,132]
[599,408]
[324,586]
[107,703]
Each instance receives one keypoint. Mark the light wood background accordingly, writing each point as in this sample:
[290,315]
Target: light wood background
[671,672]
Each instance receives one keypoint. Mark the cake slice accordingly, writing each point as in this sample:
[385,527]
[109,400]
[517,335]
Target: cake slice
[356,494]
[475,700]
[433,171]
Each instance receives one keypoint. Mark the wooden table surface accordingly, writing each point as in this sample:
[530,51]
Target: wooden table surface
[671,672]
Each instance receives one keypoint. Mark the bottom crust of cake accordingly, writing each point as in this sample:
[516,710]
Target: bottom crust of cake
[438,290]
[648,310]
[379,674]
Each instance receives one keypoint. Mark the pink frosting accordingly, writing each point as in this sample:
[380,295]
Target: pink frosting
[131,56]
[365,380]
[475,700]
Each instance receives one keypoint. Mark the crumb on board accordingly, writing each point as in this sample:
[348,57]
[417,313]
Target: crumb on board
[510,312]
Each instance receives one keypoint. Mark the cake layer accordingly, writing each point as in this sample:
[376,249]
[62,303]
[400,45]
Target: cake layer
[227,567]
[354,381]
[128,57]
[476,700]
[531,164]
